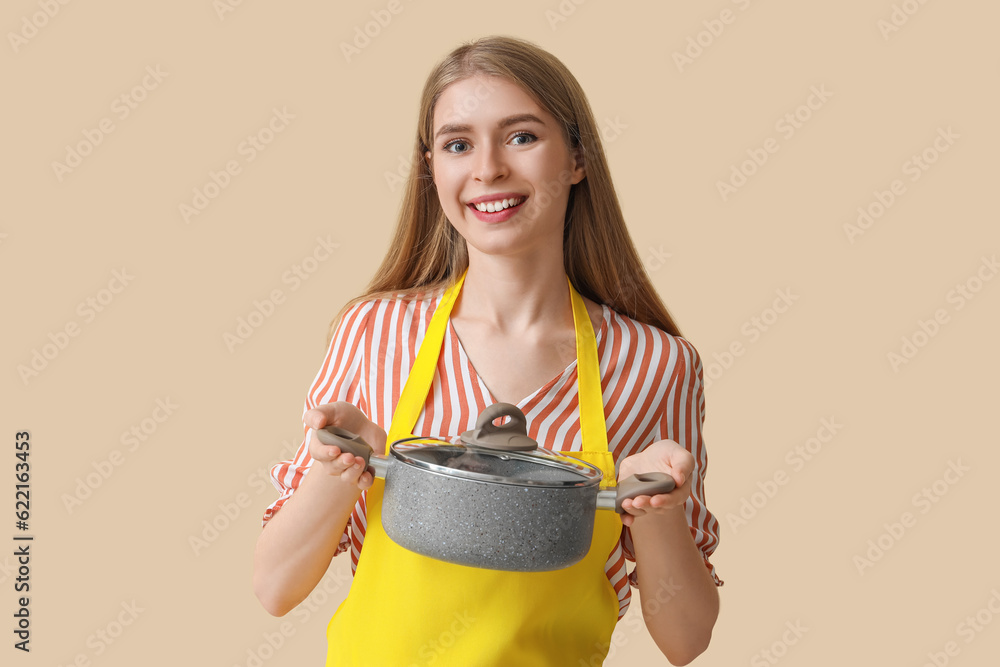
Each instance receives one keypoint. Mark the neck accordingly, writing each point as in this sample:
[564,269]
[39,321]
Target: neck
[514,295]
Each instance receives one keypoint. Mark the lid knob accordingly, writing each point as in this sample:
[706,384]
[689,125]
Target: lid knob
[511,436]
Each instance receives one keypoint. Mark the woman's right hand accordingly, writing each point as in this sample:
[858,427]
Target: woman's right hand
[331,460]
[295,548]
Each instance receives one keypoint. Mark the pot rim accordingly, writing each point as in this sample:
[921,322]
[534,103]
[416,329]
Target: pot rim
[590,475]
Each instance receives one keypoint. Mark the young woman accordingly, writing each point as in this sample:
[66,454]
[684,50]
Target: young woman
[510,245]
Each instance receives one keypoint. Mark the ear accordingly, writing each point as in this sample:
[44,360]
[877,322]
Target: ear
[430,166]
[579,168]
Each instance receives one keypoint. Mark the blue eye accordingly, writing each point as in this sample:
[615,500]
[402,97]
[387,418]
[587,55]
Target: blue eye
[462,142]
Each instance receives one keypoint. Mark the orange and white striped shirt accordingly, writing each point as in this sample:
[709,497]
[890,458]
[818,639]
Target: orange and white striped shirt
[651,382]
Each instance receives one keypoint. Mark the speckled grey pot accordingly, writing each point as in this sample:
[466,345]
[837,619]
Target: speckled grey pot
[496,502]
[485,524]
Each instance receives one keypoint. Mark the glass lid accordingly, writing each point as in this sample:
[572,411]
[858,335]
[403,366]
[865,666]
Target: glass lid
[534,468]
[497,453]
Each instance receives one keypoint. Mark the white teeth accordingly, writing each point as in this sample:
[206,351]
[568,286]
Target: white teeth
[493,207]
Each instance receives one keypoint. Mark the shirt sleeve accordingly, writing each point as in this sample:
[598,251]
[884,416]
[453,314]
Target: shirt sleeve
[340,378]
[682,419]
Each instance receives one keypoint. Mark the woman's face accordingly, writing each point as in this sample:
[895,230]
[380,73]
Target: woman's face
[492,142]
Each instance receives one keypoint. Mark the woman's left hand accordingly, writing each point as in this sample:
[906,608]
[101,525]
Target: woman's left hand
[663,456]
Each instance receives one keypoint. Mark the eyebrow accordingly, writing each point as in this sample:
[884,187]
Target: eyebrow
[452,128]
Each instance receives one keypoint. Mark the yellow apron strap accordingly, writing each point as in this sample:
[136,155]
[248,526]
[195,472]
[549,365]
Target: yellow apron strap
[418,383]
[592,424]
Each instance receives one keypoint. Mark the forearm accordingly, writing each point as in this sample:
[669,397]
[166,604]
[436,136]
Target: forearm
[668,561]
[296,546]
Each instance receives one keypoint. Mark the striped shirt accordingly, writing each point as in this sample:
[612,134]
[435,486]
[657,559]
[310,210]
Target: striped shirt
[651,382]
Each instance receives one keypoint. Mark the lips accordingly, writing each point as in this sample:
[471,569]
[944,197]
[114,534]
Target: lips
[493,206]
[496,197]
[496,208]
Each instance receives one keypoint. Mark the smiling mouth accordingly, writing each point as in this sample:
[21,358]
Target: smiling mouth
[502,205]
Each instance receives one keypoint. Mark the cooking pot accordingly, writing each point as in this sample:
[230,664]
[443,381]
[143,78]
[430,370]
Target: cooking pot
[494,499]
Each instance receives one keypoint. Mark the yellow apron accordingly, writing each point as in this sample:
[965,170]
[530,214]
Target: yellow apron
[405,609]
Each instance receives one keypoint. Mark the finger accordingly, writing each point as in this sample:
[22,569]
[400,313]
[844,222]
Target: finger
[684,463]
[348,417]
[339,464]
[640,503]
[683,489]
[629,507]
[323,453]
[339,413]
[675,498]
[315,418]
[353,472]
[680,477]
[319,451]
[661,500]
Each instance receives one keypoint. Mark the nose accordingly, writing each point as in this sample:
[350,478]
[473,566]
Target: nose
[490,164]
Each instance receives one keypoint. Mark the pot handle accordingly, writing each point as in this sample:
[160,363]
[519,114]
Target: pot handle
[348,442]
[643,484]
[510,437]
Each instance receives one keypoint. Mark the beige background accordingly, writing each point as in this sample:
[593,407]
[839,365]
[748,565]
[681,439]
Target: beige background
[679,132]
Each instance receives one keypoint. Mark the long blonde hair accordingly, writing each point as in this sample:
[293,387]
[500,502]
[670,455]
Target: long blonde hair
[427,253]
